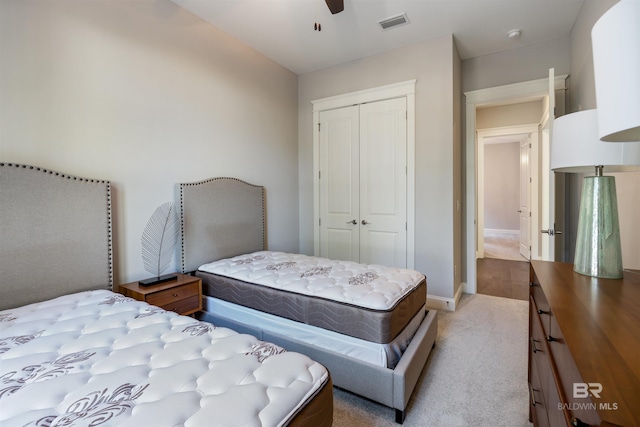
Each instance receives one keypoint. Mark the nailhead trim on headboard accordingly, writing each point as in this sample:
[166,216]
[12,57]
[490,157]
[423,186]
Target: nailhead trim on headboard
[88,180]
[191,184]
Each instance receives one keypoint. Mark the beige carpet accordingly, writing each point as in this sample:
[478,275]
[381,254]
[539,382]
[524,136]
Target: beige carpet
[476,375]
[502,246]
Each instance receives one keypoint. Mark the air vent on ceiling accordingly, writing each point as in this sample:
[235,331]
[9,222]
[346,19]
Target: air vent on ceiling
[394,21]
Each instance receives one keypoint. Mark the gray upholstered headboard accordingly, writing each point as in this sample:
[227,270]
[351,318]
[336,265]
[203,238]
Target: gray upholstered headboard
[220,218]
[55,235]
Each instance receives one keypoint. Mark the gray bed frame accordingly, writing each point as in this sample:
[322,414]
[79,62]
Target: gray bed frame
[225,217]
[55,235]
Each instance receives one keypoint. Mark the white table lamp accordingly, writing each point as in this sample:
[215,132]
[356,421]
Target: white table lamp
[616,64]
[576,147]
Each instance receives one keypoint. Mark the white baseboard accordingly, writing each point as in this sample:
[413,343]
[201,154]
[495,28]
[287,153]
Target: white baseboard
[440,303]
[500,231]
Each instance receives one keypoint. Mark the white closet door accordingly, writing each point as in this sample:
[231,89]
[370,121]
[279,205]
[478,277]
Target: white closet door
[383,183]
[339,184]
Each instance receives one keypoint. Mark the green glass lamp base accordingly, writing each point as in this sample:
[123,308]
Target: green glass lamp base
[598,250]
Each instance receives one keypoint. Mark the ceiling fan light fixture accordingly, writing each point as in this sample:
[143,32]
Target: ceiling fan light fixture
[394,21]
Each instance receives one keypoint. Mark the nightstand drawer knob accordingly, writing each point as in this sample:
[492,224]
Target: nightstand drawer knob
[175,295]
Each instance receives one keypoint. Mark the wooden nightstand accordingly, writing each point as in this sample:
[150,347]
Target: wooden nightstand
[183,295]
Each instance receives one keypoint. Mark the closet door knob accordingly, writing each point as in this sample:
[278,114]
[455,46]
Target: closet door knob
[364,222]
[353,221]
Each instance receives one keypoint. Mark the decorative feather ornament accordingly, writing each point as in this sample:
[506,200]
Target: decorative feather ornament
[158,242]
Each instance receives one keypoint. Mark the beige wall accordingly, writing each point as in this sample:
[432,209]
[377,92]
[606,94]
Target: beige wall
[516,65]
[502,186]
[146,95]
[525,113]
[434,65]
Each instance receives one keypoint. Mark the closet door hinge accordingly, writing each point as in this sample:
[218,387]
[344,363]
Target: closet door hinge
[318,127]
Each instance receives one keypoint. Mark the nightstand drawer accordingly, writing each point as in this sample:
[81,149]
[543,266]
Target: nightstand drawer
[184,305]
[169,296]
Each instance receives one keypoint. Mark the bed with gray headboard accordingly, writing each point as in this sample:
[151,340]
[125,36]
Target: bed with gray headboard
[223,226]
[72,352]
[56,234]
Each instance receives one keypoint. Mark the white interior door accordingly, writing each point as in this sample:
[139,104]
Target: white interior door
[339,184]
[383,183]
[547,214]
[525,198]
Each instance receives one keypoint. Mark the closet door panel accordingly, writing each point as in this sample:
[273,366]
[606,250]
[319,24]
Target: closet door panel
[339,184]
[383,183]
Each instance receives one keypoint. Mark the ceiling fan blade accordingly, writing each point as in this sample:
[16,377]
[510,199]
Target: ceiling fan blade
[335,6]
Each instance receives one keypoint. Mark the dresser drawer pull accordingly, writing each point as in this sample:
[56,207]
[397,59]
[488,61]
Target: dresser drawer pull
[541,311]
[533,345]
[552,339]
[175,295]
[533,397]
[576,422]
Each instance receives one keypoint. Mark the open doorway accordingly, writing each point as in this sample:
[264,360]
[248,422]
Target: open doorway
[506,198]
[506,203]
[543,89]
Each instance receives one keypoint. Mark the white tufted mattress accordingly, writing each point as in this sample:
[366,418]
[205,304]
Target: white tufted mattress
[370,302]
[98,358]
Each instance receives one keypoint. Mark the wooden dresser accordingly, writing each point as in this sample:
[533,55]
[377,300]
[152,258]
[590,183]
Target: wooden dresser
[584,348]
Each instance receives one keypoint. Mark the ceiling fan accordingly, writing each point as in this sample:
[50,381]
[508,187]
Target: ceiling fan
[335,6]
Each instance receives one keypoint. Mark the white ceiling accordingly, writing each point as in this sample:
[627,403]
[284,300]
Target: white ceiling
[284,29]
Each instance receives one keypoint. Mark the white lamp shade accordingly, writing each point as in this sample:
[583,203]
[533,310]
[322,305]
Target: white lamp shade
[576,147]
[616,63]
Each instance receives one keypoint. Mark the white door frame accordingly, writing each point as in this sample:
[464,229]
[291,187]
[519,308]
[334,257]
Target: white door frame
[397,90]
[521,92]
[528,131]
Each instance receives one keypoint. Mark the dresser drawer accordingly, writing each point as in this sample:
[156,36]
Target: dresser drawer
[542,306]
[539,350]
[538,407]
[538,370]
[170,296]
[568,375]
